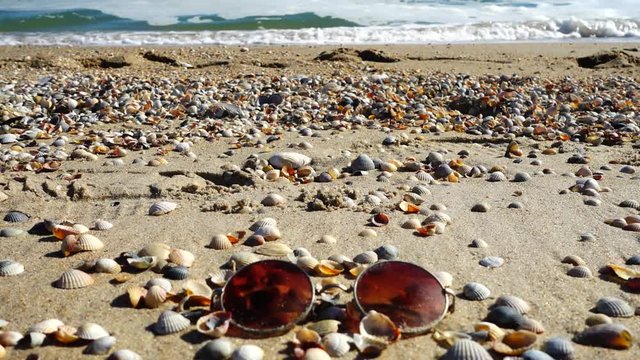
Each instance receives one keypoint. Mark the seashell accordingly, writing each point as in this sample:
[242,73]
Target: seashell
[559,348]
[597,319]
[91,331]
[411,224]
[316,354]
[307,263]
[580,271]
[159,250]
[329,268]
[533,354]
[82,229]
[263,222]
[101,346]
[368,233]
[420,190]
[306,337]
[248,352]
[181,257]
[515,343]
[102,225]
[108,266]
[632,227]
[66,334]
[465,349]
[632,219]
[327,239]
[46,327]
[10,268]
[62,231]
[124,354]
[424,176]
[379,327]
[438,217]
[513,302]
[34,339]
[475,291]
[170,322]
[162,207]
[445,278]
[521,177]
[627,169]
[481,207]
[135,295]
[87,242]
[584,171]
[443,171]
[614,307]
[413,198]
[362,163]
[505,317]
[478,243]
[74,279]
[10,338]
[255,240]
[269,233]
[273,200]
[218,349]
[219,277]
[142,263]
[241,259]
[274,249]
[380,219]
[492,262]
[176,272]
[630,204]
[337,344]
[12,232]
[68,245]
[573,260]
[592,202]
[214,325]
[290,159]
[613,336]
[589,184]
[497,176]
[161,282]
[367,257]
[388,167]
[408,208]
[494,332]
[386,252]
[16,216]
[532,325]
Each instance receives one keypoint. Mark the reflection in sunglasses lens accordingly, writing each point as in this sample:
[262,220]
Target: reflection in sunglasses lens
[408,294]
[269,295]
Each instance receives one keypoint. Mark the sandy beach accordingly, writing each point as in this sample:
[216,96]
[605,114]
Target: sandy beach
[553,222]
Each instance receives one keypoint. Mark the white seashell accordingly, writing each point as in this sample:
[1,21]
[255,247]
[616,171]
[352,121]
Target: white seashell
[316,354]
[87,242]
[337,344]
[108,266]
[34,339]
[91,331]
[181,257]
[162,282]
[513,302]
[378,327]
[445,278]
[614,307]
[159,250]
[214,325]
[46,327]
[12,232]
[368,233]
[273,200]
[162,207]
[478,243]
[10,338]
[492,261]
[497,176]
[74,279]
[476,291]
[263,222]
[241,259]
[218,349]
[10,268]
[156,295]
[101,346]
[124,354]
[438,217]
[291,159]
[412,223]
[142,263]
[269,233]
[170,322]
[274,249]
[219,277]
[248,352]
[220,242]
[102,225]
[465,349]
[82,229]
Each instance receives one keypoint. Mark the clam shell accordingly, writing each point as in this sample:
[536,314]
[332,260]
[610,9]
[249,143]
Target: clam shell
[102,225]
[101,346]
[329,268]
[421,190]
[465,349]
[170,322]
[632,219]
[379,327]
[632,227]
[478,243]
[214,325]
[386,252]
[532,325]
[513,302]
[218,349]
[74,279]
[106,265]
[176,272]
[494,332]
[438,217]
[367,257]
[597,319]
[88,242]
[505,317]
[534,354]
[411,224]
[362,163]
[573,260]
[559,348]
[142,263]
[162,207]
[368,233]
[290,159]
[580,271]
[491,261]
[413,198]
[307,263]
[62,231]
[12,232]
[497,176]
[445,278]
[124,354]
[263,222]
[475,291]
[181,257]
[159,250]
[46,327]
[248,352]
[521,177]
[630,204]
[274,249]
[16,216]
[10,338]
[424,177]
[34,339]
[614,336]
[337,344]
[91,331]
[10,268]
[219,277]
[481,207]
[515,343]
[614,307]
[273,200]
[269,233]
[327,239]
[633,260]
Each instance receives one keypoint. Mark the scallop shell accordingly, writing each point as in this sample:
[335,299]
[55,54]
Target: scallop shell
[337,344]
[176,272]
[614,307]
[290,159]
[248,352]
[74,279]
[170,322]
[91,331]
[214,325]
[274,249]
[263,222]
[362,163]
[16,216]
[465,349]
[478,243]
[424,177]
[632,219]
[367,257]
[613,336]
[10,268]
[87,242]
[219,277]
[269,233]
[241,259]
[162,207]
[573,260]
[513,302]
[108,266]
[124,354]
[492,261]
[580,271]
[476,291]
[559,348]
[102,225]
[46,327]
[163,283]
[521,177]
[532,325]
[181,257]
[497,176]
[273,200]
[630,204]
[101,345]
[218,349]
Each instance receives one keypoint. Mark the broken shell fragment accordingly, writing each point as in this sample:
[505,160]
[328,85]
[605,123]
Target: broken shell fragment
[329,268]
[214,325]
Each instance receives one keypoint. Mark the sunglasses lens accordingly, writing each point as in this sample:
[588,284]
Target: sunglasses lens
[408,294]
[268,296]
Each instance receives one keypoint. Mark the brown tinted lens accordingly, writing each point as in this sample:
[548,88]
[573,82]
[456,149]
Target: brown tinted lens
[269,295]
[408,294]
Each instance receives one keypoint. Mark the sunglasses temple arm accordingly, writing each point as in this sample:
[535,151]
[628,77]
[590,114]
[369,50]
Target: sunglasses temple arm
[452,307]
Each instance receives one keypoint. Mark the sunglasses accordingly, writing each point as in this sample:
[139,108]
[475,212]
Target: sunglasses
[272,296]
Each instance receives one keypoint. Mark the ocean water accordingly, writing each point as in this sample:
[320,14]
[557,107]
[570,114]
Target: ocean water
[200,22]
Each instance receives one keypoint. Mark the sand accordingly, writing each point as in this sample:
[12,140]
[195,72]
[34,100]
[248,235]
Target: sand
[533,240]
